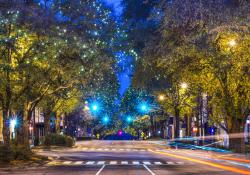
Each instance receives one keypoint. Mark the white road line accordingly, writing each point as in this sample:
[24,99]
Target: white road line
[180,163]
[136,163]
[170,163]
[100,170]
[106,149]
[113,162]
[151,172]
[124,162]
[128,149]
[147,163]
[78,162]
[90,162]
[157,163]
[67,162]
[142,150]
[100,162]
[113,149]
[121,149]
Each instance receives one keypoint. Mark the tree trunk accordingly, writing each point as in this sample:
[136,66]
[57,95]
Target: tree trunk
[25,126]
[58,120]
[1,126]
[6,128]
[47,124]
[177,123]
[236,137]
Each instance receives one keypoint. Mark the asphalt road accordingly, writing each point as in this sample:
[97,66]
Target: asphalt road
[133,158]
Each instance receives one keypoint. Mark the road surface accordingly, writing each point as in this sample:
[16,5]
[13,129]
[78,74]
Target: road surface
[133,158]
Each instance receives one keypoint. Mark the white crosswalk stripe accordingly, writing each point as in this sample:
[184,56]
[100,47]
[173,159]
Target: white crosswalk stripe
[157,163]
[180,163]
[78,162]
[67,162]
[136,163]
[170,163]
[147,163]
[124,162]
[90,163]
[113,162]
[100,162]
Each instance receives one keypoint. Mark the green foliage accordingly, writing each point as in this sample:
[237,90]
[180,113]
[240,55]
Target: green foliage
[209,50]
[6,154]
[15,152]
[58,140]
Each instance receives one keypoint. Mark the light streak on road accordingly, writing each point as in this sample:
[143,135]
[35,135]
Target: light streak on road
[228,168]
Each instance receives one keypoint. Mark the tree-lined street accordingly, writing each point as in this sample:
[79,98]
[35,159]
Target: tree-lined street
[124,87]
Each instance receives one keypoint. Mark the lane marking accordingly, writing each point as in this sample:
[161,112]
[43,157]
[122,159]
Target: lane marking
[124,162]
[158,163]
[147,163]
[149,170]
[170,163]
[180,163]
[78,162]
[224,167]
[67,162]
[136,163]
[113,162]
[100,162]
[100,170]
[90,163]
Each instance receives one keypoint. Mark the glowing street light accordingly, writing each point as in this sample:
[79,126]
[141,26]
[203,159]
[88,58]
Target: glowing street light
[184,85]
[95,107]
[144,107]
[105,119]
[161,97]
[129,119]
[232,43]
[13,123]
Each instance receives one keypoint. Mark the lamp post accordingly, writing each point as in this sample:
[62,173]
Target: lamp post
[13,123]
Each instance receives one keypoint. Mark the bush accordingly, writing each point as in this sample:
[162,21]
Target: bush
[58,140]
[21,152]
[6,154]
[15,152]
[70,141]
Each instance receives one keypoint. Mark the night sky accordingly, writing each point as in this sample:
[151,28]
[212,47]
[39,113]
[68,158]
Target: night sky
[124,61]
[116,4]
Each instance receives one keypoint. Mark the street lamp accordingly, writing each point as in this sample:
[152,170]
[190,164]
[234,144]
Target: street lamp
[105,119]
[232,43]
[184,85]
[13,124]
[161,97]
[129,119]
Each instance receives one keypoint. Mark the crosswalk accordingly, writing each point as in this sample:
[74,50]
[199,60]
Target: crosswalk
[113,162]
[111,149]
